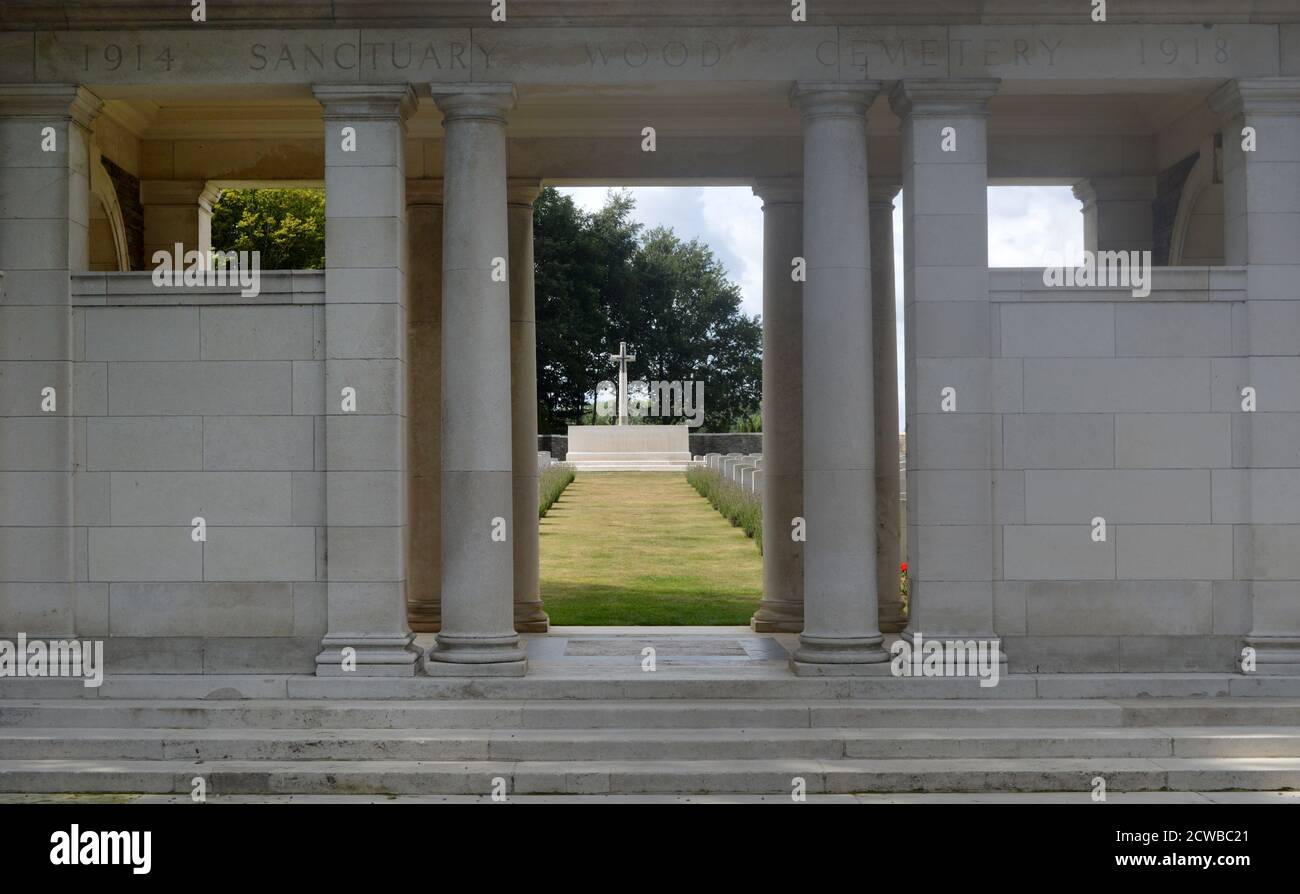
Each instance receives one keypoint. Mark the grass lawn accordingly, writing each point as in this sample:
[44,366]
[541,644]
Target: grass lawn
[643,548]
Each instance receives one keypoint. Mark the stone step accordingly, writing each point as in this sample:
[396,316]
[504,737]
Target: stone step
[646,714]
[614,677]
[639,744]
[651,776]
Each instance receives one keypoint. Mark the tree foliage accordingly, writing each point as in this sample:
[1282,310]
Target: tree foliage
[286,225]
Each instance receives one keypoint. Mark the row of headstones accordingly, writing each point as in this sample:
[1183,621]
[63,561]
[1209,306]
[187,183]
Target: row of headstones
[543,459]
[745,470]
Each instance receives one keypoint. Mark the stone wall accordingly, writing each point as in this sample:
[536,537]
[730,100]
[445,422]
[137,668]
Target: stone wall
[703,443]
[202,404]
[1113,407]
[556,445]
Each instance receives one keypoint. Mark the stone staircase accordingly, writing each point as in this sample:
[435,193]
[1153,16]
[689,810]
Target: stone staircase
[451,745]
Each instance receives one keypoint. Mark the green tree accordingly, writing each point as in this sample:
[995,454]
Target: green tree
[286,225]
[582,268]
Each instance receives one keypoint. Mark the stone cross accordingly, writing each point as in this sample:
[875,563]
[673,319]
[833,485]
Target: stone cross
[622,358]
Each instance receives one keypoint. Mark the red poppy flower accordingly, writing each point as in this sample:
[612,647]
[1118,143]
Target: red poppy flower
[903,567]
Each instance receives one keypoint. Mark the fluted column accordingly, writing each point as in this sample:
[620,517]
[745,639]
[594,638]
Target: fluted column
[884,356]
[840,634]
[529,616]
[782,607]
[478,635]
[424,402]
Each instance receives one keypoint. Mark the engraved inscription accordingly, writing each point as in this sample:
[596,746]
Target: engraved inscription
[672,54]
[366,55]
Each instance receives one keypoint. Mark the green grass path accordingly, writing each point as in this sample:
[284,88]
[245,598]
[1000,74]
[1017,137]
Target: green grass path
[643,548]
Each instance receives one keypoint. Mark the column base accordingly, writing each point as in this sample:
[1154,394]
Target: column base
[531,618]
[1274,655]
[476,656]
[777,616]
[892,619]
[819,656]
[375,657]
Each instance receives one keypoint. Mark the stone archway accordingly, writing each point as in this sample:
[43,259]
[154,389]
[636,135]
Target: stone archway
[109,248]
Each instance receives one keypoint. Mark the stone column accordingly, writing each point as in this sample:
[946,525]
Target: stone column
[782,607]
[1117,213]
[1262,233]
[44,237]
[529,616]
[840,634]
[176,211]
[884,356]
[424,403]
[365,350]
[950,536]
[478,635]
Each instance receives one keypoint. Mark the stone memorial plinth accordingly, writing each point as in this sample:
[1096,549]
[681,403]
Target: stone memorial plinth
[629,448]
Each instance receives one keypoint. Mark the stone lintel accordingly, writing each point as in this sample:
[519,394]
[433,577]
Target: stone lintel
[1092,190]
[177,192]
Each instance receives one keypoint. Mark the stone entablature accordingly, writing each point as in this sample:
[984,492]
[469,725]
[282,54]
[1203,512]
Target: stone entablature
[1107,55]
[566,13]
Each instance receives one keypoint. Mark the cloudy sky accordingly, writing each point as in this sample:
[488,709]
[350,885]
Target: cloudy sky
[1029,226]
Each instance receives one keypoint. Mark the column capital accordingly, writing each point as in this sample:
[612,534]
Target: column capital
[522,191]
[1256,96]
[488,101]
[834,99]
[1091,190]
[1083,191]
[881,191]
[50,100]
[779,190]
[935,97]
[424,191]
[366,101]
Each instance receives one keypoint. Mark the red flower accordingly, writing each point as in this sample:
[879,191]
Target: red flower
[903,567]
